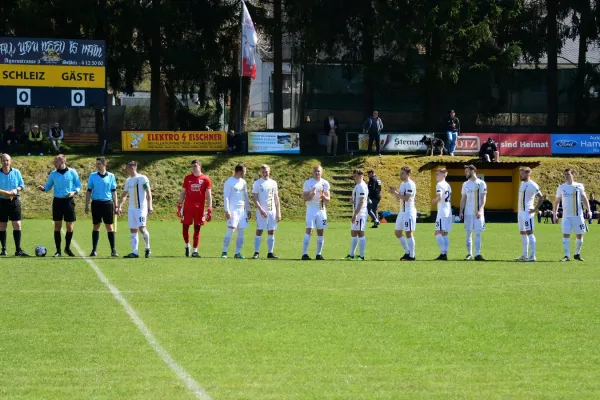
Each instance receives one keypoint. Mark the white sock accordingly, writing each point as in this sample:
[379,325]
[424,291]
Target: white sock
[305,244]
[469,243]
[441,243]
[477,243]
[257,240]
[146,236]
[134,242]
[362,243]
[195,249]
[567,246]
[447,244]
[578,244]
[227,240]
[270,243]
[320,241]
[411,246]
[525,243]
[353,244]
[239,243]
[404,244]
[532,243]
[187,245]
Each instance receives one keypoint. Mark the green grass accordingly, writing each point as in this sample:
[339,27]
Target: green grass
[166,172]
[286,329]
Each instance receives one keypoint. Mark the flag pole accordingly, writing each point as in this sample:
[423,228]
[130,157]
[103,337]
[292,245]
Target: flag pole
[241,63]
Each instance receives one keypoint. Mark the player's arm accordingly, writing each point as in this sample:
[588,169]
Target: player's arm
[438,195]
[20,184]
[247,201]
[149,197]
[326,194]
[226,201]
[49,183]
[255,190]
[182,194]
[76,185]
[540,200]
[463,202]
[122,200]
[483,201]
[277,205]
[556,203]
[586,204]
[308,192]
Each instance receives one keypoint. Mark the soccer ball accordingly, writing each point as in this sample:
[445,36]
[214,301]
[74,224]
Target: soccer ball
[40,251]
[457,219]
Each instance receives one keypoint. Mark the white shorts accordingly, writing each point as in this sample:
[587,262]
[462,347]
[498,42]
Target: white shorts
[443,224]
[577,224]
[266,224]
[238,219]
[474,224]
[360,225]
[137,218]
[525,221]
[316,219]
[406,222]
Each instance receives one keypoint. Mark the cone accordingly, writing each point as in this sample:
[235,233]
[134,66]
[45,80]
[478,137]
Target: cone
[383,221]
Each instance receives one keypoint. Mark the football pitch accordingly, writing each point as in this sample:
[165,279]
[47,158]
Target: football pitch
[290,329]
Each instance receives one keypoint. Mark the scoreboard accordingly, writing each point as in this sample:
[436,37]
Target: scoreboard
[65,73]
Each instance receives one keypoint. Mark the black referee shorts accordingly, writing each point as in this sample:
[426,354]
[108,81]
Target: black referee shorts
[10,209]
[63,209]
[103,211]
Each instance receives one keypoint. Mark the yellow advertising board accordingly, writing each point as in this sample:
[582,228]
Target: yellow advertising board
[52,76]
[173,141]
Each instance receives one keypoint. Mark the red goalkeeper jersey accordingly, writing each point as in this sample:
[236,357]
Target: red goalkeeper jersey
[195,188]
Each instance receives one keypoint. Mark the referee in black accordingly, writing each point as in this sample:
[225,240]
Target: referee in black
[102,189]
[374,186]
[11,185]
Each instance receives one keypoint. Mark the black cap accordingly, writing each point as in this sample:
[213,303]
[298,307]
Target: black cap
[450,112]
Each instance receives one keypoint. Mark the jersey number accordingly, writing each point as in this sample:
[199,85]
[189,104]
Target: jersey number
[142,220]
[447,200]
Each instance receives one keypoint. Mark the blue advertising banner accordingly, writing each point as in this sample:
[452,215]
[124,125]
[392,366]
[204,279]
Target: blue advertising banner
[65,52]
[575,143]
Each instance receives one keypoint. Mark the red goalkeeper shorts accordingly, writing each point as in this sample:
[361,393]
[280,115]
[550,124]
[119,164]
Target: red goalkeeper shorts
[193,215]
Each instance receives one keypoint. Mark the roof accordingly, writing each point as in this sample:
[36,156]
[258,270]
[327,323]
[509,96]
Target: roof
[479,164]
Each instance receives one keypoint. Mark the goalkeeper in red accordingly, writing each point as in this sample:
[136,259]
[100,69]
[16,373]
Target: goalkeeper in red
[195,192]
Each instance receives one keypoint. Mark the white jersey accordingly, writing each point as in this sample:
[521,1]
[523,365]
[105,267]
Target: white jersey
[322,186]
[408,188]
[235,194]
[474,190]
[361,191]
[571,199]
[136,186]
[527,194]
[265,191]
[444,206]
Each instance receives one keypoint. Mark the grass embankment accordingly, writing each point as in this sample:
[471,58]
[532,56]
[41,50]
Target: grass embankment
[166,173]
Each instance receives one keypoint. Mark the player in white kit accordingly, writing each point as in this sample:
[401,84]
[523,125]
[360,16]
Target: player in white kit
[573,197]
[137,187]
[360,196]
[472,203]
[237,210]
[443,221]
[406,221]
[528,191]
[316,194]
[265,195]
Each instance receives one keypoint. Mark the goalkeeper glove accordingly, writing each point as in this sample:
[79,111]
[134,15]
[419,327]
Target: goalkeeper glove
[179,210]
[209,215]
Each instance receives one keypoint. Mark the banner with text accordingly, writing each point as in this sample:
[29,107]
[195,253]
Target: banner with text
[509,144]
[396,142]
[173,141]
[576,143]
[274,142]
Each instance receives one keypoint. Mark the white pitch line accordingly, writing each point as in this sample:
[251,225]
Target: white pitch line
[182,374]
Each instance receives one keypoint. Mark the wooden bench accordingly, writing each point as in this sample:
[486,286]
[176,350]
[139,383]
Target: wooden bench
[81,138]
